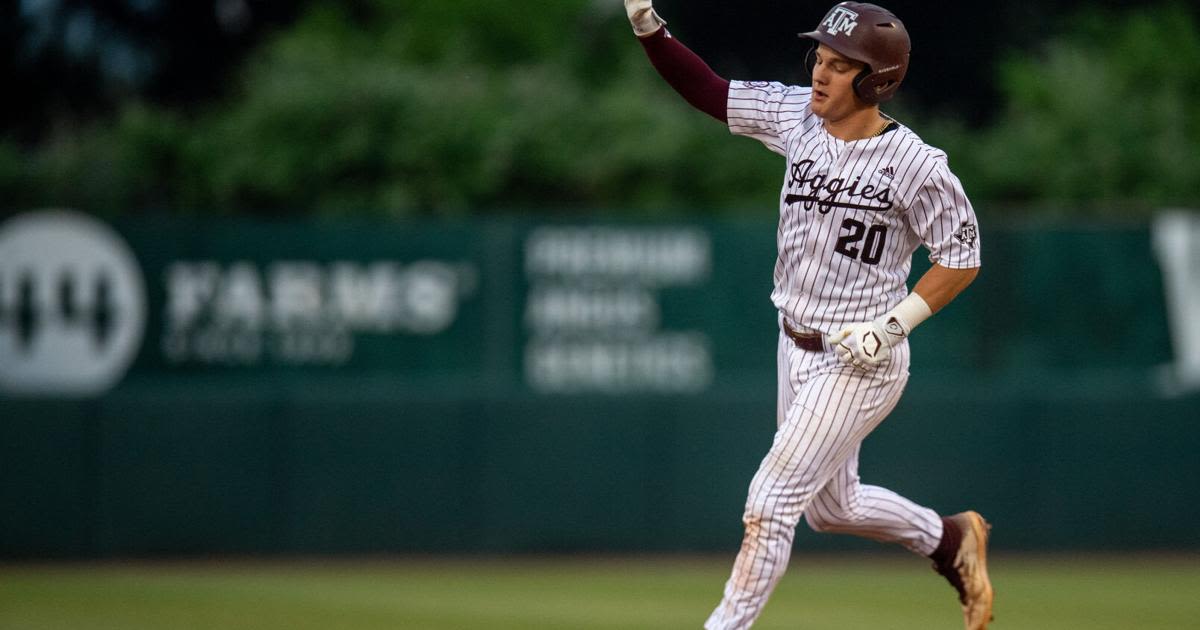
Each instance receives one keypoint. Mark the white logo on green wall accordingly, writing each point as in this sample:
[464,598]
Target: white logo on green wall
[72,304]
[594,309]
[303,312]
[1177,242]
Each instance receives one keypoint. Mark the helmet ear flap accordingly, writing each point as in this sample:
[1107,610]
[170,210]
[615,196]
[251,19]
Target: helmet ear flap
[862,90]
[875,88]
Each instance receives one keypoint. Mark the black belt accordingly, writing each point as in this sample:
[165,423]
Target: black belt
[812,342]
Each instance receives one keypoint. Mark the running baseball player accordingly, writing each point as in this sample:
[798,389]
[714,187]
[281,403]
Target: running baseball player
[861,192]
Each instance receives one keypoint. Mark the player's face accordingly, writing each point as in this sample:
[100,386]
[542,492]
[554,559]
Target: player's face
[833,85]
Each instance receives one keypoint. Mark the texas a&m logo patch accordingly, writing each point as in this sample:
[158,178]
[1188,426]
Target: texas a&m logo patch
[967,234]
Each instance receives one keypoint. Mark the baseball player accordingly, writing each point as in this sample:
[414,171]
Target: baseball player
[860,193]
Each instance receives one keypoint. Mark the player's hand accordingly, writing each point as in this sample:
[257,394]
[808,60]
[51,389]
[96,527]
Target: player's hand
[865,345]
[643,18]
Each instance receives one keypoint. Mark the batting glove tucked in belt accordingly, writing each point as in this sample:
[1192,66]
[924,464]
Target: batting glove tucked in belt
[868,345]
[643,18]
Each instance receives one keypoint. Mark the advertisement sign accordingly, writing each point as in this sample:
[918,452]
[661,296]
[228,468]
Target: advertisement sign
[547,309]
[72,305]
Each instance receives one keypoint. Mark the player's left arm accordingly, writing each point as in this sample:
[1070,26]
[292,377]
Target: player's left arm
[946,222]
[868,344]
[940,285]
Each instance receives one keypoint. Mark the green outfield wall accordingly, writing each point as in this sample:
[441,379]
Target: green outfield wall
[226,386]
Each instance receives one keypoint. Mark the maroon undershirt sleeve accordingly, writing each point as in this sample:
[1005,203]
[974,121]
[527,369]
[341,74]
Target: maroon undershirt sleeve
[688,74]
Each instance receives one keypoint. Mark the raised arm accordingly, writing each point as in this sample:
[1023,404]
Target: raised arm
[683,69]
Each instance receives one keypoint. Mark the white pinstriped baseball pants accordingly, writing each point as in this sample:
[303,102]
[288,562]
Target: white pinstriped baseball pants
[825,411]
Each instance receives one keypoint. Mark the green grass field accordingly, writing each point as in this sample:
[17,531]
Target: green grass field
[881,592]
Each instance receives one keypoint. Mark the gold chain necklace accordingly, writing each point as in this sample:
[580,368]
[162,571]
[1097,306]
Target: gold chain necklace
[887,122]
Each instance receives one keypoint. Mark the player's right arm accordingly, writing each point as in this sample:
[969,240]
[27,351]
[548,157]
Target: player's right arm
[683,69]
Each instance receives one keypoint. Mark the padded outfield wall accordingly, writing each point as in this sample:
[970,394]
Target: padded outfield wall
[226,386]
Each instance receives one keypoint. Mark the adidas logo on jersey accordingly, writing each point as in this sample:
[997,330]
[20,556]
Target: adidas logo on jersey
[888,172]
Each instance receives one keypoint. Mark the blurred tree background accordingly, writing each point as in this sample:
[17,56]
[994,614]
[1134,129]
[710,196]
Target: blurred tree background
[422,107]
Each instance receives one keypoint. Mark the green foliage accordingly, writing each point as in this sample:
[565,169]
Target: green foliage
[15,178]
[423,107]
[429,120]
[1105,119]
[428,107]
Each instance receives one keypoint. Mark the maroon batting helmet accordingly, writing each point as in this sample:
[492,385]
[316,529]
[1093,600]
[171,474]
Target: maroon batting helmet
[873,35]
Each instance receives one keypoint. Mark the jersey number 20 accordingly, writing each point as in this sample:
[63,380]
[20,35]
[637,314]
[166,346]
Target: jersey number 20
[853,232]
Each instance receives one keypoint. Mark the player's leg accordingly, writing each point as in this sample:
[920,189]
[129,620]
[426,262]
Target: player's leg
[846,506]
[957,544]
[833,407]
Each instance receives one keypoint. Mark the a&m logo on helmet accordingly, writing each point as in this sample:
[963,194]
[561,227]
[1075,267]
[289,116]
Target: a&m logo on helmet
[840,20]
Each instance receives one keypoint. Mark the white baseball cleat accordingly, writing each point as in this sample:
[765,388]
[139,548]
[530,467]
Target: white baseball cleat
[968,573]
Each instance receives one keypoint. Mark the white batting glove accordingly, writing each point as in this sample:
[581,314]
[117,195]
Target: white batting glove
[867,345]
[643,18]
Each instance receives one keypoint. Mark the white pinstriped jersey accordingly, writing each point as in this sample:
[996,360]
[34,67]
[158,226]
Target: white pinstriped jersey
[851,213]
